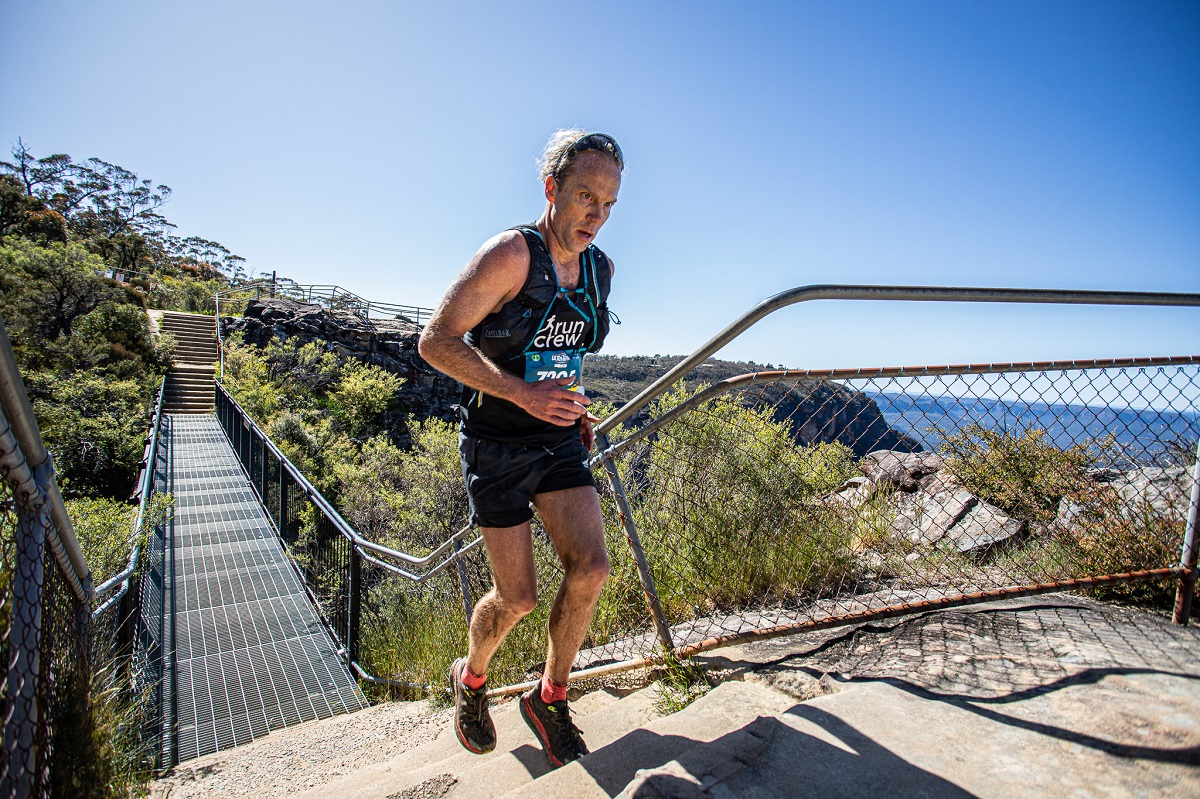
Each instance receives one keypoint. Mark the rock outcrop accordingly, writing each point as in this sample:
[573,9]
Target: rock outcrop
[924,503]
[388,344]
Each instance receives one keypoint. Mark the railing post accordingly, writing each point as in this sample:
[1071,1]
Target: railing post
[283,503]
[262,478]
[355,613]
[635,546]
[463,585]
[1188,557]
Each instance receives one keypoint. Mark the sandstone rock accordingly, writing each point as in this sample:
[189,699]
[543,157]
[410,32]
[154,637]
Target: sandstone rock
[853,493]
[1164,490]
[981,528]
[929,517]
[905,470]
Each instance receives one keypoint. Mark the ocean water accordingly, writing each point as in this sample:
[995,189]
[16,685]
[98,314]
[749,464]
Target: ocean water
[1143,435]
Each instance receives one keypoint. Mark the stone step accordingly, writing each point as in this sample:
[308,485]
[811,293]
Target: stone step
[600,728]
[603,718]
[604,773]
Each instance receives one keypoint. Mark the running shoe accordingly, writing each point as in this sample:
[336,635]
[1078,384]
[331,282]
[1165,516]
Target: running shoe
[472,721]
[552,725]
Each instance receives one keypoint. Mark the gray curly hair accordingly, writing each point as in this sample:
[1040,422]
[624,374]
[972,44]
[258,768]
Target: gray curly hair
[560,151]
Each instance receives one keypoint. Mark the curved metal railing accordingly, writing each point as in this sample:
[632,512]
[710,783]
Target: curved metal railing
[875,294]
[119,583]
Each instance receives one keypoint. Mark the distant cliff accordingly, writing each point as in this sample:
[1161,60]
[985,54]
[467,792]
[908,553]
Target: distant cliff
[816,412]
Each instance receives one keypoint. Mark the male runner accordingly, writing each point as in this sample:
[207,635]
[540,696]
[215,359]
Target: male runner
[513,329]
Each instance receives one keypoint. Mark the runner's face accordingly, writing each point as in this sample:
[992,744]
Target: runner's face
[583,199]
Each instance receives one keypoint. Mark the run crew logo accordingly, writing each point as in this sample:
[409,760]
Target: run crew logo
[559,335]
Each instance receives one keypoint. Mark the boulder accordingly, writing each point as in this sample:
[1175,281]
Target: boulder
[904,470]
[1164,490]
[926,519]
[852,494]
[981,528]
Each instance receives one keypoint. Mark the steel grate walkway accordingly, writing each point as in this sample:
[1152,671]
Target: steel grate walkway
[250,652]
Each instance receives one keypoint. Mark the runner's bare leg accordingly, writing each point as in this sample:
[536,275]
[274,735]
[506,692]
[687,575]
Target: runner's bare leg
[572,518]
[513,595]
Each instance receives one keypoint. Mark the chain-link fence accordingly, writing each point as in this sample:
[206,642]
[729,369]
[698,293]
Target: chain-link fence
[782,501]
[46,647]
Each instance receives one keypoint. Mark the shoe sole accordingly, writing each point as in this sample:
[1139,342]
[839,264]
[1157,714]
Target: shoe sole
[455,679]
[539,731]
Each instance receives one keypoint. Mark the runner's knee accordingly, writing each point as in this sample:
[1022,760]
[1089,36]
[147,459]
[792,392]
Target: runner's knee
[589,569]
[521,602]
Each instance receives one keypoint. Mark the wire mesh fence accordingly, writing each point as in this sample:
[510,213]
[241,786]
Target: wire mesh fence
[783,500]
[45,648]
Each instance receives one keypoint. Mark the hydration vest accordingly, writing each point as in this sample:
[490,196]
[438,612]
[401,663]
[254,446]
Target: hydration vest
[542,318]
[508,335]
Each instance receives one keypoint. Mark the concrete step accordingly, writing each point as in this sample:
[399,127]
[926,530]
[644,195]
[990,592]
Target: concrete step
[600,728]
[603,717]
[606,771]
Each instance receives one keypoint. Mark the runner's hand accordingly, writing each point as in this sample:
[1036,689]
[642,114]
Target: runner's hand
[549,401]
[586,435]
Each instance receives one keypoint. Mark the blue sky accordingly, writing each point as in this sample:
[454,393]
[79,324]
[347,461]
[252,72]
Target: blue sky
[770,145]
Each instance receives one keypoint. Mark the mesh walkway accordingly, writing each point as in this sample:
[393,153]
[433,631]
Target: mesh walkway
[250,652]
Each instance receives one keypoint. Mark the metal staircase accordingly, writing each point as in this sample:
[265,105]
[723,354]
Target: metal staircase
[190,381]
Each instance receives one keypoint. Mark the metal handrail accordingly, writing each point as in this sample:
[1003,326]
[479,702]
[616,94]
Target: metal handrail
[28,436]
[362,545]
[877,293]
[145,489]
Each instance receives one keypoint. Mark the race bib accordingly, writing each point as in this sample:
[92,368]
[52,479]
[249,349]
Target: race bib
[553,365]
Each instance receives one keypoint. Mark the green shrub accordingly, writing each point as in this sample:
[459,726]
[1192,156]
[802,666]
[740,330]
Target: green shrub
[104,528]
[727,512]
[1020,473]
[94,427]
[362,395]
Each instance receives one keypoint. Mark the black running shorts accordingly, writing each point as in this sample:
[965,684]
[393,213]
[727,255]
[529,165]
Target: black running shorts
[502,478]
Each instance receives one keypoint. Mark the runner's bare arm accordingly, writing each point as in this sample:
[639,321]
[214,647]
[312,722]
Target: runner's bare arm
[493,277]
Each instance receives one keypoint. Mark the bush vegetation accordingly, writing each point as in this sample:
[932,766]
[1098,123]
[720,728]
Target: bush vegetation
[1105,532]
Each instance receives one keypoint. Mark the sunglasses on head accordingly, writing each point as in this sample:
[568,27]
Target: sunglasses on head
[592,141]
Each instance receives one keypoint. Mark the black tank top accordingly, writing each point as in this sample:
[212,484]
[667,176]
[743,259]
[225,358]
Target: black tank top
[541,333]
